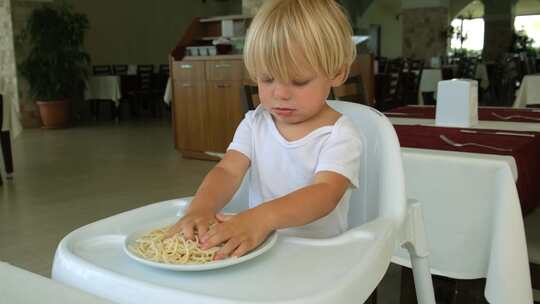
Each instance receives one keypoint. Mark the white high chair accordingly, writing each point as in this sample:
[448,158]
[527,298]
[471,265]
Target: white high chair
[343,269]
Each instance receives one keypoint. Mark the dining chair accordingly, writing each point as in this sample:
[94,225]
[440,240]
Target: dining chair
[5,143]
[410,80]
[164,69]
[128,87]
[351,90]
[389,85]
[532,231]
[143,93]
[101,70]
[120,69]
[1,124]
[251,96]
[343,269]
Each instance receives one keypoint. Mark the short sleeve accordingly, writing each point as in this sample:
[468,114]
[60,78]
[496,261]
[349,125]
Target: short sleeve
[243,136]
[342,153]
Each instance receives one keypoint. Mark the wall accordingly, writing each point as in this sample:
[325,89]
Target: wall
[122,31]
[8,71]
[141,31]
[424,32]
[386,14]
[250,7]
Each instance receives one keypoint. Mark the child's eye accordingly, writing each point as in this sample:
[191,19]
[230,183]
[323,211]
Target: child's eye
[301,83]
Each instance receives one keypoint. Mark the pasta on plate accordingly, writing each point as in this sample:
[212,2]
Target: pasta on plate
[153,246]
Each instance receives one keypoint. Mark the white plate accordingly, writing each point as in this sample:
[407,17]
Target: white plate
[131,238]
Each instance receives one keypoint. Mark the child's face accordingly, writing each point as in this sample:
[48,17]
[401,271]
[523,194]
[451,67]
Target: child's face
[295,101]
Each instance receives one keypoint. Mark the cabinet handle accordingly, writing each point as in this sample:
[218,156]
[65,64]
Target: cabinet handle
[223,86]
[186,85]
[186,66]
[223,65]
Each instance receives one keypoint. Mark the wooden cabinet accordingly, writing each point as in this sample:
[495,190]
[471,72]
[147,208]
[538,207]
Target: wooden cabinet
[207,103]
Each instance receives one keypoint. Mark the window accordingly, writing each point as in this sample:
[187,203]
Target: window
[473,30]
[531,26]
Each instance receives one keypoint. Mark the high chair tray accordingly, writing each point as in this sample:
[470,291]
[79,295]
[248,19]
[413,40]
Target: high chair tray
[295,270]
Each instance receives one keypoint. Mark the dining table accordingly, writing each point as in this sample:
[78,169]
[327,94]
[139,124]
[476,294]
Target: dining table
[104,87]
[474,197]
[529,91]
[428,82]
[20,286]
[167,96]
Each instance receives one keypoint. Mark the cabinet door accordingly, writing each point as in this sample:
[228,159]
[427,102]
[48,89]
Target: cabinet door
[225,111]
[190,112]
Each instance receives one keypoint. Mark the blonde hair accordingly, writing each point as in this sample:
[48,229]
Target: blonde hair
[286,37]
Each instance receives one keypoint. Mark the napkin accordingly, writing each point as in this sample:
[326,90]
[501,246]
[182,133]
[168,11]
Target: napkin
[457,103]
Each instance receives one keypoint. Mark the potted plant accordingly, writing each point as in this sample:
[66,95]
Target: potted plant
[56,66]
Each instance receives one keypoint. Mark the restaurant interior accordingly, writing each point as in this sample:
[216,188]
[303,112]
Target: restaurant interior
[118,138]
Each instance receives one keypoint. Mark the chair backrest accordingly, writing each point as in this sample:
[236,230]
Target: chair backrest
[382,185]
[164,69]
[101,70]
[144,74]
[120,69]
[251,94]
[1,124]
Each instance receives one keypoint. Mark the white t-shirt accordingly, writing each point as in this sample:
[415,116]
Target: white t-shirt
[279,166]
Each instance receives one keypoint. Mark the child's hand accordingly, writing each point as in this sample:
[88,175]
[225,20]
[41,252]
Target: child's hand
[199,220]
[239,234]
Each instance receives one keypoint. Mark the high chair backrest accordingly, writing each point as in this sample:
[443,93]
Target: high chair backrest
[382,186]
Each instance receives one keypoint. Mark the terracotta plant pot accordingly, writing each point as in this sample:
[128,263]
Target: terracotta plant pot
[54,114]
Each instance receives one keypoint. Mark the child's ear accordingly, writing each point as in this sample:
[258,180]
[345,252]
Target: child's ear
[340,77]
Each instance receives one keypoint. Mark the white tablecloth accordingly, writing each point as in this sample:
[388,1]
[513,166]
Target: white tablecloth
[472,214]
[482,75]
[104,87]
[483,124]
[529,91]
[473,220]
[428,82]
[18,286]
[167,97]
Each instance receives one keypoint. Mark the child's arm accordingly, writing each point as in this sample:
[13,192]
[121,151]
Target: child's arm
[213,194]
[247,230]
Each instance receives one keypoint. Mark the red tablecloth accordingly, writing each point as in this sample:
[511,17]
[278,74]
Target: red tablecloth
[484,113]
[525,151]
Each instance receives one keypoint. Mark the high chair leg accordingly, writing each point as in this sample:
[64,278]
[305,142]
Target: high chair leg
[416,245]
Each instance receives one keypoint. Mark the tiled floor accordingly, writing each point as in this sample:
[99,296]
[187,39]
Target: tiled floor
[68,178]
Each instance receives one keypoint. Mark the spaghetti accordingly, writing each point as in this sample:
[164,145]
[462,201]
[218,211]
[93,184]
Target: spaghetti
[174,250]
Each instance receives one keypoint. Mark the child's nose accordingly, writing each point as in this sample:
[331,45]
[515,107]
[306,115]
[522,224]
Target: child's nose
[281,91]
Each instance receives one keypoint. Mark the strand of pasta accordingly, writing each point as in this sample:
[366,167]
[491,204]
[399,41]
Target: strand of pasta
[174,250]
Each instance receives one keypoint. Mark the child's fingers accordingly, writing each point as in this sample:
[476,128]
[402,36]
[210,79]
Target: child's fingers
[227,249]
[241,250]
[214,238]
[173,230]
[223,217]
[187,230]
[202,230]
